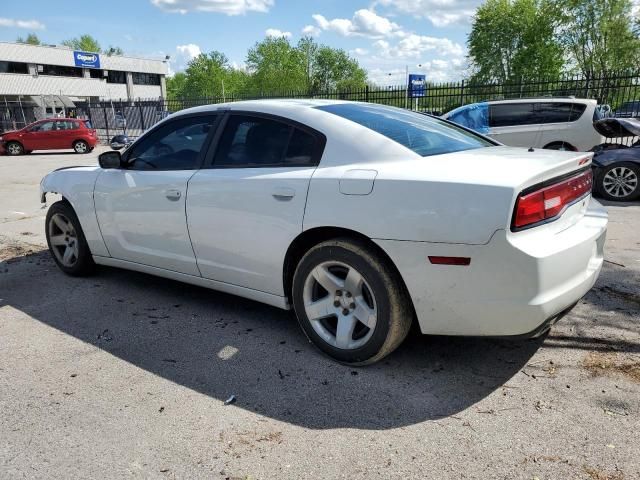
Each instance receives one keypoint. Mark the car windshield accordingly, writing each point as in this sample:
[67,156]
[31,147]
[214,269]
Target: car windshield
[424,135]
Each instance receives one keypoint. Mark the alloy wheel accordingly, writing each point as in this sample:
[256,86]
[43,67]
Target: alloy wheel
[64,240]
[620,182]
[14,149]
[80,147]
[340,305]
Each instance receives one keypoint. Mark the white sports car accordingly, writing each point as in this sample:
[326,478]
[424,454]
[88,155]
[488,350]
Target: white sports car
[362,218]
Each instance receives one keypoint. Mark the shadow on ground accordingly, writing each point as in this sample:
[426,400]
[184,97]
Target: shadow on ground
[220,345]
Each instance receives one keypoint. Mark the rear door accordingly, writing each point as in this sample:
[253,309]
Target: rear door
[64,134]
[247,206]
[141,208]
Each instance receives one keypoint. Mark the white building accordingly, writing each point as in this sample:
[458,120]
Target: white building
[28,72]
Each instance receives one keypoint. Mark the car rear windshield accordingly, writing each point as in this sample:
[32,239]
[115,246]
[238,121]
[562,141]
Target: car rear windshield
[87,123]
[423,134]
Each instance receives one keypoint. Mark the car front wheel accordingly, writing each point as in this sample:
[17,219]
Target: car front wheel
[14,148]
[620,181]
[66,240]
[350,302]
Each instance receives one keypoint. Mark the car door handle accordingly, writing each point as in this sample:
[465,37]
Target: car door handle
[283,193]
[173,194]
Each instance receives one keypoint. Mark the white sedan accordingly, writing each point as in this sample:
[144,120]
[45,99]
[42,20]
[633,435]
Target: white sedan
[362,218]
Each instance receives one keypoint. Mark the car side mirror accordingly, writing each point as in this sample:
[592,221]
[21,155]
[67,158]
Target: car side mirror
[111,159]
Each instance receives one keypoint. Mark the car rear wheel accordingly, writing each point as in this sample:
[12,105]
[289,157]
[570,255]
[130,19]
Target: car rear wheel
[66,240]
[14,148]
[620,181]
[350,302]
[81,146]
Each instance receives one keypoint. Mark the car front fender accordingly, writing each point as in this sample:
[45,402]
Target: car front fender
[75,185]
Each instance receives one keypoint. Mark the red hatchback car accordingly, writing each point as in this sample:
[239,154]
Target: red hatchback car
[50,134]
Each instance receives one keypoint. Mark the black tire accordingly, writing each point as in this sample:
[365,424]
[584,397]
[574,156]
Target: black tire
[392,302]
[611,169]
[83,264]
[14,148]
[80,146]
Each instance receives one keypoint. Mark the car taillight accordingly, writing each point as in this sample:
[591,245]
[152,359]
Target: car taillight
[548,202]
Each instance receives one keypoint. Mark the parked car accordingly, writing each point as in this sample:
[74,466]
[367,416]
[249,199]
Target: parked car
[628,110]
[119,142]
[552,123]
[360,217]
[50,134]
[616,166]
[121,120]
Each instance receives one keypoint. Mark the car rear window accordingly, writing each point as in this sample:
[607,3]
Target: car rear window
[423,134]
[87,123]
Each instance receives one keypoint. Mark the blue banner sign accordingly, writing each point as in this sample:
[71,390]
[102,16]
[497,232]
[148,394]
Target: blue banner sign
[86,59]
[417,85]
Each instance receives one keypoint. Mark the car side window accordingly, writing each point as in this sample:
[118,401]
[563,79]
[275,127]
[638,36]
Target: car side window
[175,145]
[512,114]
[44,127]
[249,141]
[560,112]
[66,125]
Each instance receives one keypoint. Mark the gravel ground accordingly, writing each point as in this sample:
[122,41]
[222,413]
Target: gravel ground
[125,375]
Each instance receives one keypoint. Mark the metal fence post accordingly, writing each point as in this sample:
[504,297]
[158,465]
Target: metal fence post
[106,121]
[462,92]
[366,93]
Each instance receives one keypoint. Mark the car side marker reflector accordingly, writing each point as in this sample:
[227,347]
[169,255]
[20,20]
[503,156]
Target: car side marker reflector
[462,261]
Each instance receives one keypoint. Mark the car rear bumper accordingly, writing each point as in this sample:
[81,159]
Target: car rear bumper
[515,285]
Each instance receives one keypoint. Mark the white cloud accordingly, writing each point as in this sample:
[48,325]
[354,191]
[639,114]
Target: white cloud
[360,51]
[414,46]
[274,32]
[441,13]
[364,23]
[183,55]
[311,30]
[26,24]
[228,7]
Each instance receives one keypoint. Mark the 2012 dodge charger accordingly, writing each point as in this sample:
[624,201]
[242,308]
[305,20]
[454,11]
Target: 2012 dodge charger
[362,218]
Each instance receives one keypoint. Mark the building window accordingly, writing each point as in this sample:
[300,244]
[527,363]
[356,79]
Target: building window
[146,78]
[96,73]
[115,76]
[14,67]
[59,71]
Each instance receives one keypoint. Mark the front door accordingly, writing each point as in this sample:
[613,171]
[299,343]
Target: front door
[141,208]
[245,208]
[40,136]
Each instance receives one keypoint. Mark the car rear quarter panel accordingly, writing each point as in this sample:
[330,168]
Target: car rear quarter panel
[76,185]
[408,203]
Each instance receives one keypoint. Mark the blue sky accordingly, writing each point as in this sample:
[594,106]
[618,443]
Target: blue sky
[384,35]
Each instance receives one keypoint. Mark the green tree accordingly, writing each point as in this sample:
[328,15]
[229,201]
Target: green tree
[512,40]
[599,35]
[86,43]
[210,75]
[176,85]
[276,66]
[335,69]
[32,39]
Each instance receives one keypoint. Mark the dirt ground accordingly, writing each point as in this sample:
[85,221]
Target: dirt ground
[126,375]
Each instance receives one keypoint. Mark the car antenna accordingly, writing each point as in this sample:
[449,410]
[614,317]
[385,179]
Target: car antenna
[538,133]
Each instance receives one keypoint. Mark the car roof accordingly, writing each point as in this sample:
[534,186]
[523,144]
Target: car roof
[543,99]
[54,119]
[258,105]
